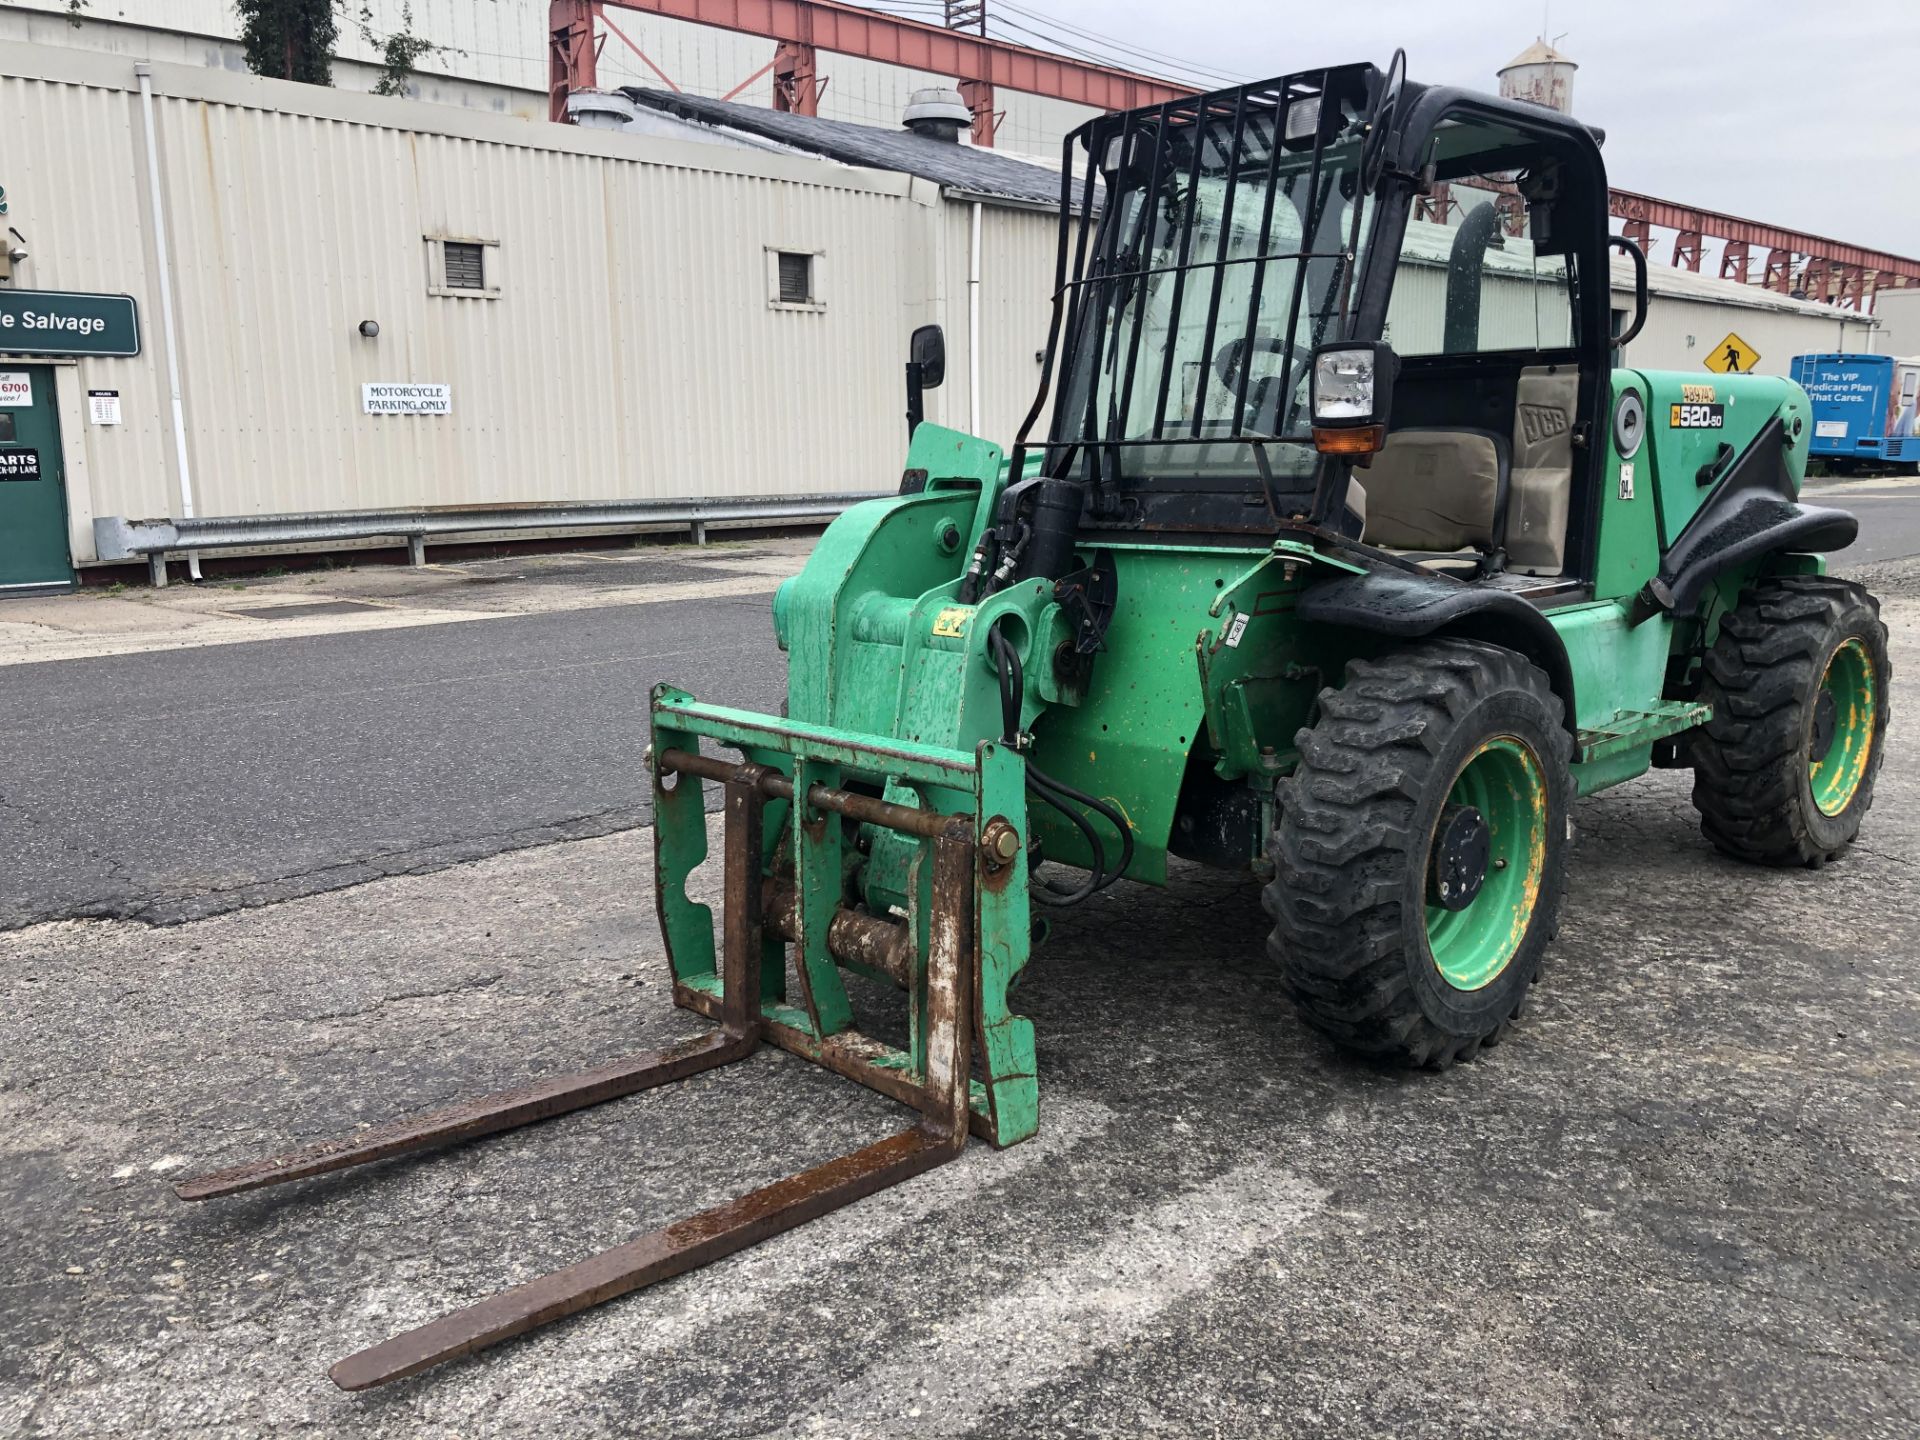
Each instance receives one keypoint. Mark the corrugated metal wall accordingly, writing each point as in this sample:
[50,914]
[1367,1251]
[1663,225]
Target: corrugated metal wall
[1683,331]
[503,42]
[631,352]
[1016,293]
[1688,317]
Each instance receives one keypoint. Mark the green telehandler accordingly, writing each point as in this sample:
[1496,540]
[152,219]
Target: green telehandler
[1336,548]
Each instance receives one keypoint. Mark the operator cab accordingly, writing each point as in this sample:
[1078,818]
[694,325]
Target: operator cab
[1494,389]
[1451,243]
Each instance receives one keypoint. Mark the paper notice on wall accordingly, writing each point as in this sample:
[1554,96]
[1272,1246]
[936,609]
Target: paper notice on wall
[16,388]
[397,399]
[103,407]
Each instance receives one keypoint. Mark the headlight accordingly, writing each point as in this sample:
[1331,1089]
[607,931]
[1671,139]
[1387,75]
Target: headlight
[1352,393]
[1343,386]
[1303,118]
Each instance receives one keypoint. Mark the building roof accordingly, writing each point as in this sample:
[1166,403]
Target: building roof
[1539,53]
[971,169]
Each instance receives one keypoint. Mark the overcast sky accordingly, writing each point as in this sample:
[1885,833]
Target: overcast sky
[1803,114]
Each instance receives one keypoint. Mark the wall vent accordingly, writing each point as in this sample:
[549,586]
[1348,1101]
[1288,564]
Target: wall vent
[466,265]
[796,278]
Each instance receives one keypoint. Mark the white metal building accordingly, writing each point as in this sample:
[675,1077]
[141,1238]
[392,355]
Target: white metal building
[611,314]
[614,317]
[493,57]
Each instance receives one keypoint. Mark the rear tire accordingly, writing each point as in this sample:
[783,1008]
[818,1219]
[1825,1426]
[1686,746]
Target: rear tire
[1781,775]
[1372,960]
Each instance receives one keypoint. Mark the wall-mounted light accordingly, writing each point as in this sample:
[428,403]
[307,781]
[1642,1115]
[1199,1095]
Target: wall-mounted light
[370,328]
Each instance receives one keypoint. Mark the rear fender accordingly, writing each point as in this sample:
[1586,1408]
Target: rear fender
[1752,513]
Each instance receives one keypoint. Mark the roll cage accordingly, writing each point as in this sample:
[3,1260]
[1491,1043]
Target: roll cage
[1264,221]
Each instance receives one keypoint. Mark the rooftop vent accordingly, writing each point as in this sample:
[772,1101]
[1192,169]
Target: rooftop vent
[938,114]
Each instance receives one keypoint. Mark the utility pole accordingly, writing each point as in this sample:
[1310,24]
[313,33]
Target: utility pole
[967,15]
[978,94]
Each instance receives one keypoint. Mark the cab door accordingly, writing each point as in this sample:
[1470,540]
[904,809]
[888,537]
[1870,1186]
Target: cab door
[33,496]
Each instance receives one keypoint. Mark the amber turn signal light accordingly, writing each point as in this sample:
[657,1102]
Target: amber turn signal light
[1349,439]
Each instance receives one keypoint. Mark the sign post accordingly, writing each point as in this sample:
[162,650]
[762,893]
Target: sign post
[67,322]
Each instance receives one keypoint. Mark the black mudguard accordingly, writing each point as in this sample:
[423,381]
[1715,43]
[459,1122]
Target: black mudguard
[1753,511]
[1404,603]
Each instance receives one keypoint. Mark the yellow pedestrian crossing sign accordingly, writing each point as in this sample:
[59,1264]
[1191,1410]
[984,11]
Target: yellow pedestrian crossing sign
[1733,356]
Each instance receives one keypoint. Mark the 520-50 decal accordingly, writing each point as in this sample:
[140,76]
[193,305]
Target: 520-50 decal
[1697,410]
[1698,417]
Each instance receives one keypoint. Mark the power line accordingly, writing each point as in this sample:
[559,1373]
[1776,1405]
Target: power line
[1158,58]
[1062,44]
[1077,41]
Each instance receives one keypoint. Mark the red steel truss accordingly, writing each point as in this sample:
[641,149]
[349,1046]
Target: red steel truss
[1828,270]
[803,27]
[1820,268]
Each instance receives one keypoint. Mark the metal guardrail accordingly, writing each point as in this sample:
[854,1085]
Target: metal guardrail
[116,538]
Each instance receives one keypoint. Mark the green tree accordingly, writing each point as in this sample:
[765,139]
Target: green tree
[295,39]
[290,39]
[400,52]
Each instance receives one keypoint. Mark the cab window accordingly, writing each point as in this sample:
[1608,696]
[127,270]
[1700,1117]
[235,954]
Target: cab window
[1478,270]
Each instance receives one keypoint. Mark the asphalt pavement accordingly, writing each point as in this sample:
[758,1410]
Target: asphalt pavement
[174,783]
[264,893]
[1889,511]
[1682,1199]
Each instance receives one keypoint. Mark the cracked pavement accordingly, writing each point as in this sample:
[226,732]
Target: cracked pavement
[1682,1199]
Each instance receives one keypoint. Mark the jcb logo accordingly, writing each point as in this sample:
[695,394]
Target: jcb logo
[1541,422]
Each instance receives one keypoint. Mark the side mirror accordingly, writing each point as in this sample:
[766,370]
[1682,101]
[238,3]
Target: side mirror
[928,350]
[1641,299]
[926,369]
[1352,395]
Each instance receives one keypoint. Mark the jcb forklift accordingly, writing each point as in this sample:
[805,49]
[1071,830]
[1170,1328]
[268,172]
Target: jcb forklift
[1342,552]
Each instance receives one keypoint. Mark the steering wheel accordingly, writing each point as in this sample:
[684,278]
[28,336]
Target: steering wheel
[1230,357]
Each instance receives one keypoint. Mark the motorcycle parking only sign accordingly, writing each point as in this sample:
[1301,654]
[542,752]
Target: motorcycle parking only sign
[392,398]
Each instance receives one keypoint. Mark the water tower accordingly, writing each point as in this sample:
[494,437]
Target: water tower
[1540,74]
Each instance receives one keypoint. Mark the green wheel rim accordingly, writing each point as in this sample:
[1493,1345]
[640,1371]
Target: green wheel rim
[1836,775]
[1506,783]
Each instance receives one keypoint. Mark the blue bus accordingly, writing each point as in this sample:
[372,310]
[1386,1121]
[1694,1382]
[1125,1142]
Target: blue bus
[1864,411]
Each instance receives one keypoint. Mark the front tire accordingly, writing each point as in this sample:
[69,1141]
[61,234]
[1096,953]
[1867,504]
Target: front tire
[1441,763]
[1800,686]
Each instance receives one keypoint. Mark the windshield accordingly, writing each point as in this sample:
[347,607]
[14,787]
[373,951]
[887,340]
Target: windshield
[1219,262]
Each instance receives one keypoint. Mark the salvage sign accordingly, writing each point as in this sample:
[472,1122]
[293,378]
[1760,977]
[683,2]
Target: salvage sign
[67,322]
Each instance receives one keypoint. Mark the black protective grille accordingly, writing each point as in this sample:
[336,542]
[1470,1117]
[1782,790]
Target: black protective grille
[1242,229]
[796,278]
[466,265]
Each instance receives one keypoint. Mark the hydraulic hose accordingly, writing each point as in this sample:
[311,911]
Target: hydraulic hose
[1064,798]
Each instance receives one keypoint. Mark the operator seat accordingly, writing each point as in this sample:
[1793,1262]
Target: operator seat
[1544,409]
[1443,494]
[1437,491]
